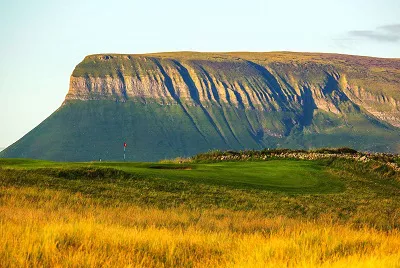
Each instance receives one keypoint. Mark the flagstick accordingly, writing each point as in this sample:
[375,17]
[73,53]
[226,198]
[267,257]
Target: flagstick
[124,153]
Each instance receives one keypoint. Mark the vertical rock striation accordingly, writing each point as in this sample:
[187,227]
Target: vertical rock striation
[173,104]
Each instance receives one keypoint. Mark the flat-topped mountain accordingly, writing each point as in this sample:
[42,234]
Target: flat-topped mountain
[178,104]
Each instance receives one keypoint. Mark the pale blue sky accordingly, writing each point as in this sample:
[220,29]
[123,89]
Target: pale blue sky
[42,41]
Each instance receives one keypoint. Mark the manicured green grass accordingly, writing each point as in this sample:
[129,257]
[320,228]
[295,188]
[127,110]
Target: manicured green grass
[277,175]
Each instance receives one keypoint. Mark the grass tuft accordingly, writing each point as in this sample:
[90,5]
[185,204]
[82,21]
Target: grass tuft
[330,211]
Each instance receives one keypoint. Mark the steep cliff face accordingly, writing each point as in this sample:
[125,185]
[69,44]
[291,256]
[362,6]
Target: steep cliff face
[188,102]
[268,82]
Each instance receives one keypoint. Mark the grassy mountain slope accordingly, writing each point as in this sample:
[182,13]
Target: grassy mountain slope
[93,130]
[178,104]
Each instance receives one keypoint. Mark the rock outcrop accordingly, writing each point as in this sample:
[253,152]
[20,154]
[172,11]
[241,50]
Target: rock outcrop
[269,81]
[189,102]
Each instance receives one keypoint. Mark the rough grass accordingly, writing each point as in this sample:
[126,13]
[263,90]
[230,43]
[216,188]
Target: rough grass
[54,228]
[197,215]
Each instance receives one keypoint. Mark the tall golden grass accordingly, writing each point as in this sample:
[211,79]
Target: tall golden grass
[48,228]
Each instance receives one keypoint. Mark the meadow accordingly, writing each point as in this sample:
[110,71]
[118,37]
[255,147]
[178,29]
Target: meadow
[274,213]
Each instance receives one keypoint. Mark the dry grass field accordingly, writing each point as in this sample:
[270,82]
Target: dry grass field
[47,220]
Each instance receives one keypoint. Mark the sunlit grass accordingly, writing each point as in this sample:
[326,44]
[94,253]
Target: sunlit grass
[198,215]
[54,228]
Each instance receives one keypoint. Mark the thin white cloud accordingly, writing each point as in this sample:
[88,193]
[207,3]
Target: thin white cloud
[394,28]
[384,33]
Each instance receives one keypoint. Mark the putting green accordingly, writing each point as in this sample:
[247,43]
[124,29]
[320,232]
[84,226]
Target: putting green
[279,175]
[291,176]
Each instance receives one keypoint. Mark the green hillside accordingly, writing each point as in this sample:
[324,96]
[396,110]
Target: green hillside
[178,104]
[82,131]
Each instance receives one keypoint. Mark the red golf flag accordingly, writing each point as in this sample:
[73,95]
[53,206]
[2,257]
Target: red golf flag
[124,144]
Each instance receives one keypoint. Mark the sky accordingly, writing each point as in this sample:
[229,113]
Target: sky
[42,41]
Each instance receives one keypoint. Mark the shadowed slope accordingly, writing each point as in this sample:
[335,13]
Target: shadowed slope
[178,104]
